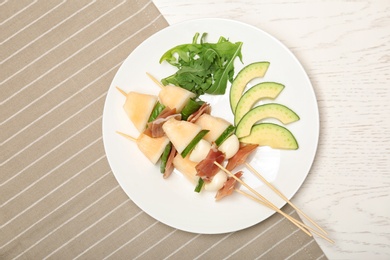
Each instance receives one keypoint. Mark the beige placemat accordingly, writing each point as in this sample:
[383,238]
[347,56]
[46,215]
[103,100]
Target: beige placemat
[59,198]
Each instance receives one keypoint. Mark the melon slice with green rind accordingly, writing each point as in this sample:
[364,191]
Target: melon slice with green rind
[244,76]
[273,135]
[270,110]
[264,90]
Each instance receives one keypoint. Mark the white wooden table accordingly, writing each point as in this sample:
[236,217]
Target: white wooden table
[345,49]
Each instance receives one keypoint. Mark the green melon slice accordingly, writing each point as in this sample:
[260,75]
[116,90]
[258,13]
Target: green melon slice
[270,110]
[264,90]
[273,135]
[244,76]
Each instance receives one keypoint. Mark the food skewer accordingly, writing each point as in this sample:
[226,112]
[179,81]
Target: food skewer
[263,201]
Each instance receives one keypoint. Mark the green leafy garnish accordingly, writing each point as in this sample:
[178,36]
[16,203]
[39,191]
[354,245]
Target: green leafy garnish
[203,67]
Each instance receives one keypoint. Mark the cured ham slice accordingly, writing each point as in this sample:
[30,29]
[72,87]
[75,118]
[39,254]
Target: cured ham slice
[154,128]
[241,156]
[169,166]
[228,188]
[204,109]
[206,169]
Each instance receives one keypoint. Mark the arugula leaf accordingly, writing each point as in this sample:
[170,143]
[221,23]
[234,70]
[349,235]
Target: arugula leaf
[203,67]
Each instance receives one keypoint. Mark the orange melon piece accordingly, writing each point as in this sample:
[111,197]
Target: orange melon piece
[152,148]
[186,167]
[138,108]
[180,133]
[216,125]
[175,97]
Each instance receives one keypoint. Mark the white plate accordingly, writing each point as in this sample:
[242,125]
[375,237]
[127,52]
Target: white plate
[173,201]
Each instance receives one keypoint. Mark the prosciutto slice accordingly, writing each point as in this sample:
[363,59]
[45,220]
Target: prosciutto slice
[241,156]
[204,109]
[169,166]
[206,169]
[228,187]
[154,128]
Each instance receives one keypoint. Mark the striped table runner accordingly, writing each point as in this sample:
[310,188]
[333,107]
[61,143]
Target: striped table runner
[59,198]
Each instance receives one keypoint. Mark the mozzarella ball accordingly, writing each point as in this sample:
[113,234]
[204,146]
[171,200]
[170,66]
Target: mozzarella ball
[230,146]
[200,151]
[217,182]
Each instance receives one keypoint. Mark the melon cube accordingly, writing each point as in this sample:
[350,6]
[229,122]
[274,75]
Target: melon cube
[216,125]
[180,133]
[186,167]
[151,147]
[175,97]
[138,108]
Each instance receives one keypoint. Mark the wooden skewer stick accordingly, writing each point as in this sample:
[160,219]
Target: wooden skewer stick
[121,91]
[267,205]
[282,196]
[127,136]
[155,80]
[302,226]
[287,216]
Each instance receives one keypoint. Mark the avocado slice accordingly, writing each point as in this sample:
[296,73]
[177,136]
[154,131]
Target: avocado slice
[273,135]
[270,110]
[260,91]
[244,76]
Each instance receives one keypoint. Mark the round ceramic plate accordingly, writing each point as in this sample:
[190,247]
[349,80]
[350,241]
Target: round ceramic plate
[173,201]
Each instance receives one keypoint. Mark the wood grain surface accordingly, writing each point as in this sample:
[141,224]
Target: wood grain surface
[345,48]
